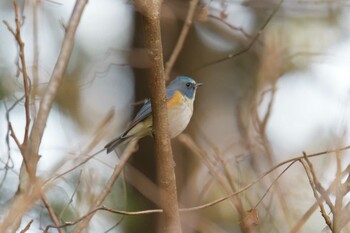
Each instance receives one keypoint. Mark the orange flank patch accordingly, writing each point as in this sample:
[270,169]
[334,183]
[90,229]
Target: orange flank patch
[175,100]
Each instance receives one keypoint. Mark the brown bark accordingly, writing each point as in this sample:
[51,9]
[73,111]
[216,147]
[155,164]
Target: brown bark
[165,164]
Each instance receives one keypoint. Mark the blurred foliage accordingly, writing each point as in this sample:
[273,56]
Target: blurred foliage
[4,92]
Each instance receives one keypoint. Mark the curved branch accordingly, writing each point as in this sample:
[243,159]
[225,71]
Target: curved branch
[181,40]
[54,83]
[92,212]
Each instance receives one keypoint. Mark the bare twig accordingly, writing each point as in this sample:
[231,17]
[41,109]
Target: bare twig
[227,170]
[318,185]
[236,201]
[226,197]
[51,211]
[251,43]
[181,40]
[52,88]
[13,135]
[35,68]
[317,197]
[272,184]
[98,135]
[26,228]
[125,194]
[240,29]
[130,149]
[10,132]
[25,200]
[92,212]
[261,177]
[72,196]
[262,124]
[25,75]
[232,194]
[303,219]
[339,196]
[9,28]
[17,34]
[260,127]
[85,160]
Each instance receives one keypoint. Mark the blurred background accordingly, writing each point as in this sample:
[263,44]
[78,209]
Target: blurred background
[276,83]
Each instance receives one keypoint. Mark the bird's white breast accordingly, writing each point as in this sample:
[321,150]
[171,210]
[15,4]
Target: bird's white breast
[179,116]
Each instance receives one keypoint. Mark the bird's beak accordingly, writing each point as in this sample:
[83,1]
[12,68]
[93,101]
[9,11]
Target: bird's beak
[199,85]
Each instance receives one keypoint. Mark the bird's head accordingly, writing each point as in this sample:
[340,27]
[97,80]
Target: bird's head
[185,85]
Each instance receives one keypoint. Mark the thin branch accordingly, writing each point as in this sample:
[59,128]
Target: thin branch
[9,164]
[17,35]
[181,40]
[51,211]
[227,170]
[104,208]
[340,192]
[13,135]
[130,149]
[318,185]
[31,156]
[98,135]
[35,68]
[240,29]
[262,124]
[52,88]
[27,227]
[261,177]
[73,168]
[272,184]
[125,195]
[10,131]
[233,194]
[72,196]
[224,198]
[303,219]
[228,188]
[250,45]
[25,74]
[318,199]
[9,28]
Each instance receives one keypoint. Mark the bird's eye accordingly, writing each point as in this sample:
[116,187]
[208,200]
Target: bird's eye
[188,84]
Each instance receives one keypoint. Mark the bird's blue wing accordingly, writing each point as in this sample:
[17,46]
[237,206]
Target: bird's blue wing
[143,113]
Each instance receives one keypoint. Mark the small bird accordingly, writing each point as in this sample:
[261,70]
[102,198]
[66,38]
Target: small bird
[181,93]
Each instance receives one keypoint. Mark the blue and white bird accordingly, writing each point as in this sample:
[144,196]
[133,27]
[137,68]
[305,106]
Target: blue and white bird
[181,93]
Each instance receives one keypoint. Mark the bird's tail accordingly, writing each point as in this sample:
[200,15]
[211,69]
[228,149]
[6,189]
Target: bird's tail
[114,143]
